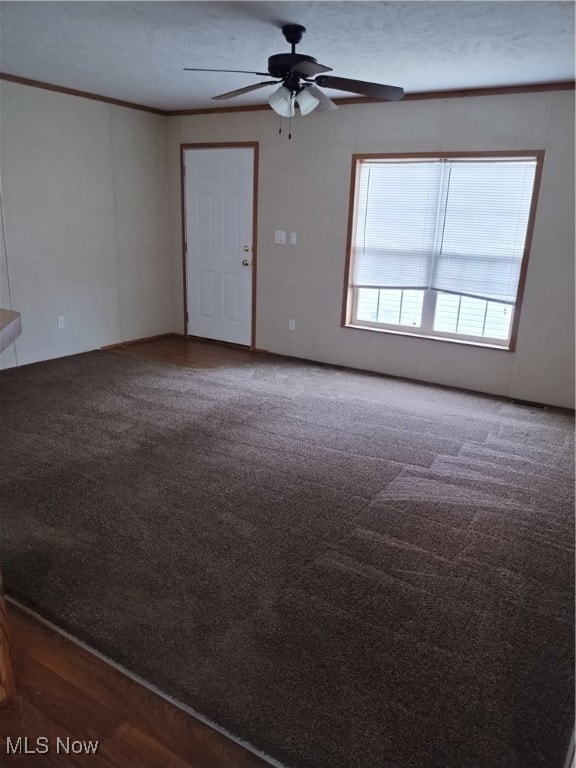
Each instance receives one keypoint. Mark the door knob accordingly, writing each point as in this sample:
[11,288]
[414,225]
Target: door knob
[246,263]
[246,248]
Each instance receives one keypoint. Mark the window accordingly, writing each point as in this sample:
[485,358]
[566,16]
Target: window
[438,245]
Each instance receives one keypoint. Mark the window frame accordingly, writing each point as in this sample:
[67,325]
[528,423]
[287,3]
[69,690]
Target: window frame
[348,297]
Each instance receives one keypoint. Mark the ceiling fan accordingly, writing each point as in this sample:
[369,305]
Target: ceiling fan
[300,77]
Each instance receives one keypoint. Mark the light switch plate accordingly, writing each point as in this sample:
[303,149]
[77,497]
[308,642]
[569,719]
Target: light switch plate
[293,238]
[280,237]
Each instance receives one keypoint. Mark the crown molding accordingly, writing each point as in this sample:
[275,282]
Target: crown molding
[505,90]
[563,85]
[81,94]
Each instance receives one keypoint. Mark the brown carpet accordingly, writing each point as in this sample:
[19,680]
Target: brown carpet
[344,570]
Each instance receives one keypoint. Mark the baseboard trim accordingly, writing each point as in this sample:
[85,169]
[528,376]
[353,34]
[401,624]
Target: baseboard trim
[423,382]
[130,343]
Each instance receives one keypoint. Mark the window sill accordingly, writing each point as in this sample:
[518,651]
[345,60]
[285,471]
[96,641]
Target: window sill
[407,334]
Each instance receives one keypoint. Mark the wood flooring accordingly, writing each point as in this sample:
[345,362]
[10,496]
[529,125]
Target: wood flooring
[66,692]
[188,353]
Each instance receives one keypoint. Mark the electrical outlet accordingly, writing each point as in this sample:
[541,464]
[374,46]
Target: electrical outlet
[61,321]
[291,324]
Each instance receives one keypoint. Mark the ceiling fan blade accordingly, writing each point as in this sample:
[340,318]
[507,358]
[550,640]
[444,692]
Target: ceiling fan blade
[310,68]
[247,89]
[325,103]
[376,90]
[241,71]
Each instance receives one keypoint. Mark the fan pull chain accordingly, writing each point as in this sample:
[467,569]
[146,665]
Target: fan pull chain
[289,127]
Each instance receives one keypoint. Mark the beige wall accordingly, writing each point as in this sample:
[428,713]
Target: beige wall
[304,187]
[84,196]
[92,212]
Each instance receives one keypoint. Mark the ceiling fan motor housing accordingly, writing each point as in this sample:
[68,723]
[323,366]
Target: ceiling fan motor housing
[282,64]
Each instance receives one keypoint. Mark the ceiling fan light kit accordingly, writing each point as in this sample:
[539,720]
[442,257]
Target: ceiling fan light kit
[299,77]
[306,101]
[282,102]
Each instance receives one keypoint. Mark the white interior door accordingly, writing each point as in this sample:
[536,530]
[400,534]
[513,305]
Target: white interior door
[219,189]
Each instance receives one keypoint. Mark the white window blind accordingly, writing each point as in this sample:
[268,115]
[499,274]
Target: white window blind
[396,224]
[452,225]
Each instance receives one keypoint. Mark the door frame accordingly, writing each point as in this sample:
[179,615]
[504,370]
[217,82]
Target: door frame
[254,145]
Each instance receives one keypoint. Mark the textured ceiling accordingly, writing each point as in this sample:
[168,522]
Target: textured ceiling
[136,51]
